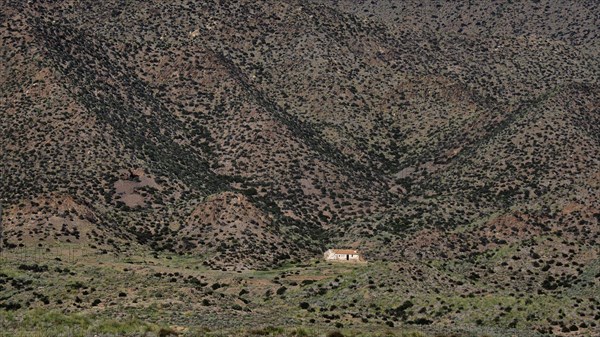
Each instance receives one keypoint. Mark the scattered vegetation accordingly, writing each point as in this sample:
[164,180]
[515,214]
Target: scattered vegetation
[202,151]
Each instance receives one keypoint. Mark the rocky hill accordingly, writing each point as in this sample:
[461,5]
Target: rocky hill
[253,133]
[316,115]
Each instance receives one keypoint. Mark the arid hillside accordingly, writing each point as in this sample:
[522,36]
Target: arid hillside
[253,134]
[318,116]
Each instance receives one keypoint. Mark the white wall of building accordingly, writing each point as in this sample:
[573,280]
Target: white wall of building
[331,255]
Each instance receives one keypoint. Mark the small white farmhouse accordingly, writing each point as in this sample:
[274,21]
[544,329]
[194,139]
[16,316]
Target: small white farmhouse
[342,255]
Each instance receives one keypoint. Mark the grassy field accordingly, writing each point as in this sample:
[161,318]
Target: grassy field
[74,291]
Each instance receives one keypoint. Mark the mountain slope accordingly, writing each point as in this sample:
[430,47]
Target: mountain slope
[456,145]
[332,123]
